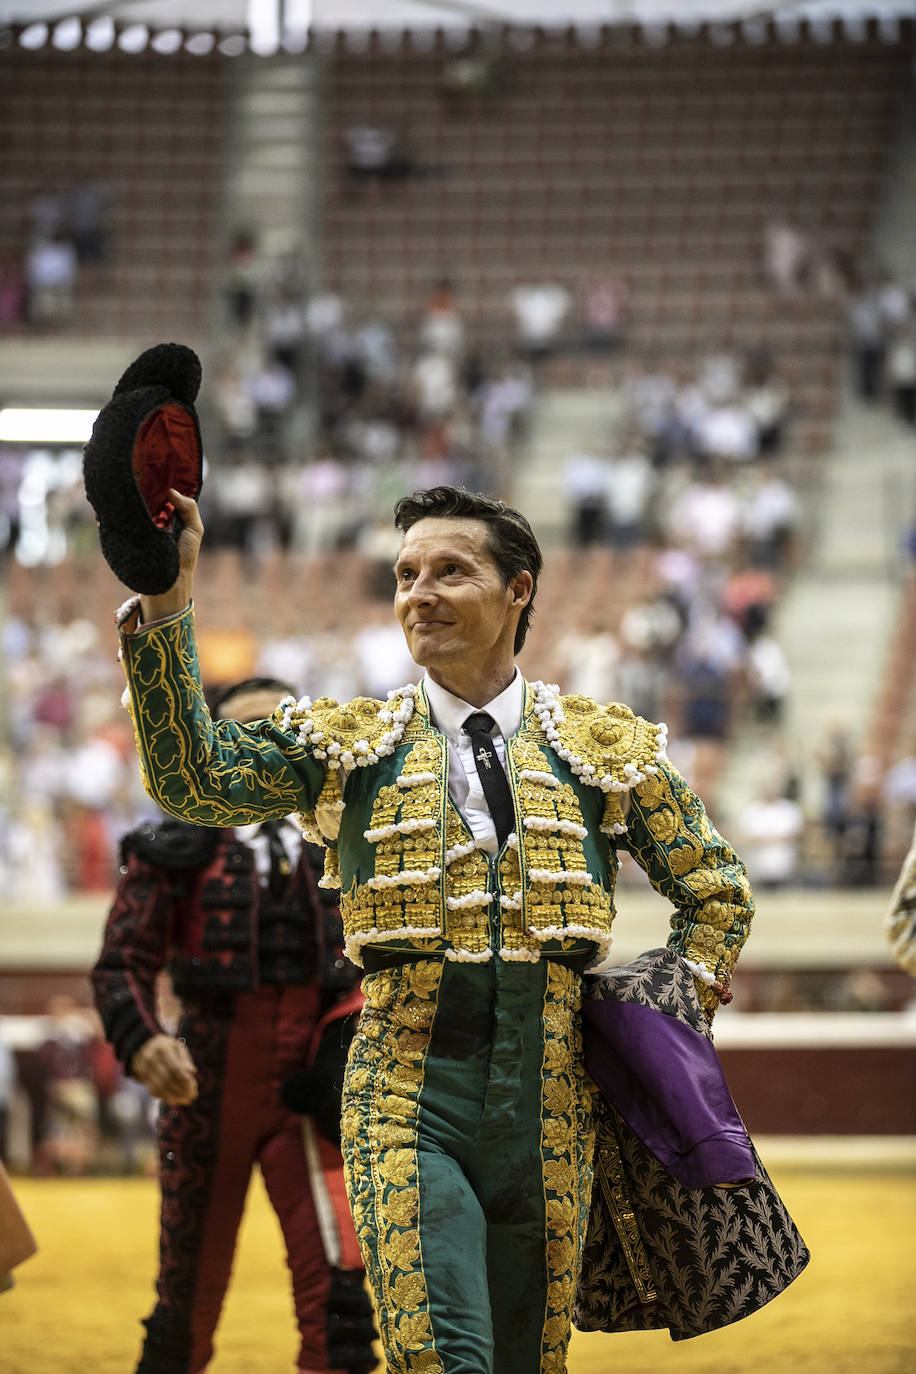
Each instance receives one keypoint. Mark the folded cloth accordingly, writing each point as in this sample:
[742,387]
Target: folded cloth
[650,1055]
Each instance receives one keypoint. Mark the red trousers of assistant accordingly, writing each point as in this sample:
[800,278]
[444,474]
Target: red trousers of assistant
[242,1045]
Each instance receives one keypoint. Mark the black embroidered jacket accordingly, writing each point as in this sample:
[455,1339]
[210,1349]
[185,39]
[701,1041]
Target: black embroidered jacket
[189,901]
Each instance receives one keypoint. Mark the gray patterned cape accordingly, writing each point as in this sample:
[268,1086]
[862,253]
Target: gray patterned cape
[666,1247]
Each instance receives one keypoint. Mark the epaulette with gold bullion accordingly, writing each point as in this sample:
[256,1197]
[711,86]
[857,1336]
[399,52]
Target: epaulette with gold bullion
[347,735]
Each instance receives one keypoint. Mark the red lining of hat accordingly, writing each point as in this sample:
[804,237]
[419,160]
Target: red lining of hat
[166,456]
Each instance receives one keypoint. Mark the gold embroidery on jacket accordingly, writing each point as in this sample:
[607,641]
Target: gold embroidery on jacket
[378,1133]
[552,844]
[711,927]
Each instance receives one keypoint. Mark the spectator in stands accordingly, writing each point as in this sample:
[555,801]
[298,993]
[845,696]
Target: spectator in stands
[749,594]
[676,569]
[12,466]
[325,318]
[769,517]
[434,386]
[540,310]
[631,487]
[503,402]
[242,501]
[652,397]
[478,73]
[586,481]
[284,327]
[706,516]
[722,428]
[47,214]
[381,654]
[588,659]
[603,312]
[901,367]
[836,760]
[35,845]
[321,499]
[642,681]
[50,274]
[785,257]
[86,213]
[442,328]
[241,287]
[95,787]
[876,307]
[865,825]
[13,293]
[273,391]
[377,349]
[376,152]
[773,827]
[707,659]
[236,413]
[765,397]
[768,676]
[652,622]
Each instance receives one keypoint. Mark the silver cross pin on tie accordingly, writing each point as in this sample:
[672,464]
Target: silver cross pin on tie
[483,757]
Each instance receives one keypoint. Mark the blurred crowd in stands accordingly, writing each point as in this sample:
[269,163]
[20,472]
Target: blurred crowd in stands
[694,485]
[687,504]
[882,325]
[67,240]
[880,310]
[379,413]
[689,495]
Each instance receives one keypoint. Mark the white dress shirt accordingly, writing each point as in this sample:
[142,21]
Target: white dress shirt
[448,713]
[254,837]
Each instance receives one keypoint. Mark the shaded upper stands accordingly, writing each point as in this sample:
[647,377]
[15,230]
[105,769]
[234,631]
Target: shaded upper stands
[150,131]
[665,168]
[662,164]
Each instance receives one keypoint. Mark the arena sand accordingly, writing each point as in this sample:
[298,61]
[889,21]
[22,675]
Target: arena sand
[76,1306]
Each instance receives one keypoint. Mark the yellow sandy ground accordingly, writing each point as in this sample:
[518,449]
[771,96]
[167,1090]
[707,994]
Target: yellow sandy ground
[76,1306]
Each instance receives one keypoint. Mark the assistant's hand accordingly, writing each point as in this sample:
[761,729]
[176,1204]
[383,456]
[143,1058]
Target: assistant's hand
[165,1068]
[179,594]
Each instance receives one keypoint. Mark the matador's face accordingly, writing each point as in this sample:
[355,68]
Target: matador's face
[451,599]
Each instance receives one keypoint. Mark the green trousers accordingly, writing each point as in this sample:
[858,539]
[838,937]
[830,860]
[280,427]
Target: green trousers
[467,1138]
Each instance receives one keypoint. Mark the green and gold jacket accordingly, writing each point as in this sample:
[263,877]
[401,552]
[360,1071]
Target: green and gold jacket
[368,780]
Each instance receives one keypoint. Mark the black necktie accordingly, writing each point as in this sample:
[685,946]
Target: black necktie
[492,775]
[280,866]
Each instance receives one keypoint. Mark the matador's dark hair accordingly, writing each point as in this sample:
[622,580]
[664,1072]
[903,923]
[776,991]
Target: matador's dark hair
[512,544]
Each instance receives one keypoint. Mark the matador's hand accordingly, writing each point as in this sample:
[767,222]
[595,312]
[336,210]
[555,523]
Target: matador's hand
[179,594]
[165,1068]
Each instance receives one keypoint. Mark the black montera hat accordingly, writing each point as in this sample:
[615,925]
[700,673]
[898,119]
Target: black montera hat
[145,442]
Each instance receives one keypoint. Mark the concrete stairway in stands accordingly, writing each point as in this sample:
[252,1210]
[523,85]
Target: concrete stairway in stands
[271,182]
[836,621]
